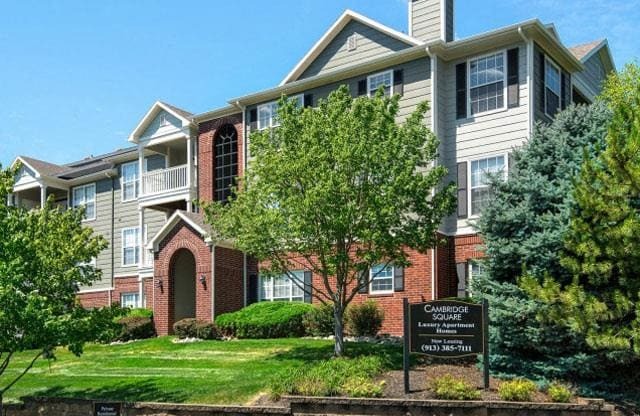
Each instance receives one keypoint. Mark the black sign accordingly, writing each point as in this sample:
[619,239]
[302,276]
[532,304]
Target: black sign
[444,328]
[107,409]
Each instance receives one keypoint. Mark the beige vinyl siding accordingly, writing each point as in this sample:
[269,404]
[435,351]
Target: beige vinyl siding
[593,74]
[426,19]
[156,129]
[481,135]
[370,44]
[102,226]
[417,88]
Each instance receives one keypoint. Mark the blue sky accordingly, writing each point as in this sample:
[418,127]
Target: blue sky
[77,76]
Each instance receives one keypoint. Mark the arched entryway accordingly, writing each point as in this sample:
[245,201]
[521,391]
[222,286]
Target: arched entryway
[183,276]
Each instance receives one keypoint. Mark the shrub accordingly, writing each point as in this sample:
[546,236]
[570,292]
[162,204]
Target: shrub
[319,321]
[135,327]
[364,319]
[362,387]
[207,330]
[140,312]
[331,378]
[185,328]
[559,393]
[448,387]
[265,320]
[517,390]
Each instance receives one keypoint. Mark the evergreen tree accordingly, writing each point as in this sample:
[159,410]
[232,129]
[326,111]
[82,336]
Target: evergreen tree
[523,229]
[602,248]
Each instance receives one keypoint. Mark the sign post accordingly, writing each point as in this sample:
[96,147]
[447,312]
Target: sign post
[446,329]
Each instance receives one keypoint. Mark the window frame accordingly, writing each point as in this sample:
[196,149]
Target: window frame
[377,74]
[272,105]
[372,278]
[292,285]
[136,182]
[469,179]
[136,296]
[502,52]
[136,247]
[548,62]
[84,203]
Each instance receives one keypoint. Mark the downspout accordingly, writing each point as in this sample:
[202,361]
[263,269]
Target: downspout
[529,43]
[244,169]
[433,191]
[113,228]
[213,281]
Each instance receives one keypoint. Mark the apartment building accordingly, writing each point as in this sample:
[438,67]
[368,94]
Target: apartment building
[486,92]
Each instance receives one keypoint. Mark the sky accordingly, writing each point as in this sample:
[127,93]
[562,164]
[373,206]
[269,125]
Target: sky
[77,76]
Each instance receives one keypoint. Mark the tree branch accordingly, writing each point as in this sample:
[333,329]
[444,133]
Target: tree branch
[5,363]
[25,371]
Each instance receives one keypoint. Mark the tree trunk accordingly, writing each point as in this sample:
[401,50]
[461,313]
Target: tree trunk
[1,407]
[338,314]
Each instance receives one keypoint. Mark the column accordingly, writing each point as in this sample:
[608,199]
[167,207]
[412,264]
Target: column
[189,163]
[43,195]
[140,169]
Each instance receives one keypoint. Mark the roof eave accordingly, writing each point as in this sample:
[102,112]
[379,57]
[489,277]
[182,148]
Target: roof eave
[139,129]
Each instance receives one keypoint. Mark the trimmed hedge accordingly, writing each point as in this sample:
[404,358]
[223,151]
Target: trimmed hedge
[196,328]
[135,327]
[365,319]
[265,320]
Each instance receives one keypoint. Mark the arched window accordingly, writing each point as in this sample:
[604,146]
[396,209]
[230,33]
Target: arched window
[226,151]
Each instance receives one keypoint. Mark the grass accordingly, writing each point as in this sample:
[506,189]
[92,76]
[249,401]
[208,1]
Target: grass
[215,372]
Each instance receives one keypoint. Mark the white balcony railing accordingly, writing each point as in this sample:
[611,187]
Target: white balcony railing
[165,180]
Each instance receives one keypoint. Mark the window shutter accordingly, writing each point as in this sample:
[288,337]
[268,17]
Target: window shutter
[462,190]
[398,82]
[542,87]
[364,281]
[252,295]
[461,90]
[398,279]
[513,83]
[307,286]
[362,87]
[461,273]
[253,119]
[308,100]
[565,90]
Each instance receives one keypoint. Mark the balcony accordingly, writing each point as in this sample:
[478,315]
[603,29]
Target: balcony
[164,181]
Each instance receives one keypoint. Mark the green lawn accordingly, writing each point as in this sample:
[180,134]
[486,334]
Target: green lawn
[221,372]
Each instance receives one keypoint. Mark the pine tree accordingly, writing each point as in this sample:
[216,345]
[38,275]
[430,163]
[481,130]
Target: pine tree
[602,247]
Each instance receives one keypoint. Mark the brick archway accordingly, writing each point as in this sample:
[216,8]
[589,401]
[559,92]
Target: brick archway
[182,237]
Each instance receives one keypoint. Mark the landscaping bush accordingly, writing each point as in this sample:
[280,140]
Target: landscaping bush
[559,393]
[319,321]
[339,376]
[364,320]
[185,328]
[135,327]
[139,312]
[517,390]
[448,387]
[265,320]
[207,330]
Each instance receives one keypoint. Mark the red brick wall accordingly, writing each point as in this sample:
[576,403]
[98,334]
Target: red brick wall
[181,237]
[94,299]
[125,285]
[467,247]
[447,283]
[206,156]
[148,292]
[229,276]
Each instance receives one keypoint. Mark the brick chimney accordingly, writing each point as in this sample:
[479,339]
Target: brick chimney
[431,20]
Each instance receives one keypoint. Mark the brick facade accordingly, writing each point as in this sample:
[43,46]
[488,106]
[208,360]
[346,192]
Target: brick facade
[124,285]
[94,299]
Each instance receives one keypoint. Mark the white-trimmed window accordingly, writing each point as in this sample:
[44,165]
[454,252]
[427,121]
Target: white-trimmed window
[381,279]
[130,300]
[552,79]
[85,196]
[375,81]
[282,287]
[129,180]
[130,246]
[480,171]
[487,81]
[268,112]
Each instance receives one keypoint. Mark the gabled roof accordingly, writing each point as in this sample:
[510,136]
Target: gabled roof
[41,167]
[586,50]
[195,221]
[333,31]
[182,115]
